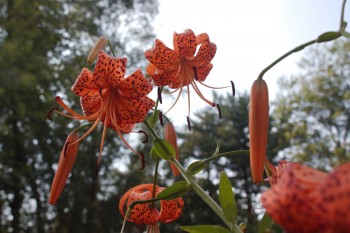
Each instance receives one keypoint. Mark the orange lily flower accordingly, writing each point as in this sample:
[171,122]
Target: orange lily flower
[107,97]
[182,66]
[147,213]
[303,199]
[65,164]
[258,128]
[170,136]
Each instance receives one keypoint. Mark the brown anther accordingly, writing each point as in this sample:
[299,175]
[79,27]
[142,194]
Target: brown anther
[159,92]
[161,118]
[219,110]
[50,112]
[189,123]
[142,161]
[195,72]
[100,92]
[145,140]
[233,89]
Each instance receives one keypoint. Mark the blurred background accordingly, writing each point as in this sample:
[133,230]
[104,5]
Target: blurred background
[44,45]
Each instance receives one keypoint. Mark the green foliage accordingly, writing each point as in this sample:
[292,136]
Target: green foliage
[313,110]
[163,149]
[174,191]
[43,47]
[265,224]
[227,199]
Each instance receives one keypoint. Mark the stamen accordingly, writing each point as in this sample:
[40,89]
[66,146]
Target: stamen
[161,118]
[189,123]
[159,92]
[145,135]
[50,112]
[177,98]
[142,161]
[199,93]
[101,92]
[65,149]
[195,73]
[219,110]
[233,89]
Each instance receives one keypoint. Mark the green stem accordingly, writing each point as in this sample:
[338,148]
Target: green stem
[111,47]
[199,191]
[342,22]
[155,178]
[296,49]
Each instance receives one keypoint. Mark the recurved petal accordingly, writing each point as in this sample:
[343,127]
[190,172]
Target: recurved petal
[203,72]
[205,54]
[115,70]
[135,86]
[162,57]
[85,84]
[185,43]
[291,205]
[90,104]
[335,199]
[165,78]
[170,210]
[99,76]
[65,164]
[131,111]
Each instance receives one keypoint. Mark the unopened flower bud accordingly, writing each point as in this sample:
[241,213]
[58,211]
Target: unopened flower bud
[258,128]
[99,45]
[170,136]
[65,165]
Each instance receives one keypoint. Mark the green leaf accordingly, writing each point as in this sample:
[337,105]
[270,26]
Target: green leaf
[227,199]
[205,229]
[265,224]
[153,120]
[176,190]
[163,149]
[196,167]
[153,153]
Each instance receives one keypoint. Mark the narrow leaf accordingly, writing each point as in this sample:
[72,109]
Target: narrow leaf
[205,229]
[265,224]
[227,199]
[196,167]
[163,149]
[153,120]
[176,190]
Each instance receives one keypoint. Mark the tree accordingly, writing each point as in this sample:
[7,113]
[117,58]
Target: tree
[43,47]
[313,108]
[232,133]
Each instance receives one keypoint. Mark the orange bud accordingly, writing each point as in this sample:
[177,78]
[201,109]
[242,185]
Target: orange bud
[170,136]
[258,128]
[99,45]
[65,164]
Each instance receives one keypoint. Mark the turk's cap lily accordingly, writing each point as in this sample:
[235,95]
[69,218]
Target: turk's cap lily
[65,165]
[170,136]
[147,213]
[303,199]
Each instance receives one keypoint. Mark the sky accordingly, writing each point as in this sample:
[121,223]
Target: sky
[249,35]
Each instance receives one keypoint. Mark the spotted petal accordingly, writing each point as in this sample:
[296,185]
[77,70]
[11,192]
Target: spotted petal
[163,57]
[135,86]
[185,43]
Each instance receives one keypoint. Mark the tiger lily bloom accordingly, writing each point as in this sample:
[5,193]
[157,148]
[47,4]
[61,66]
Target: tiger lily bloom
[170,136]
[107,97]
[65,164]
[258,128]
[147,213]
[303,199]
[182,66]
